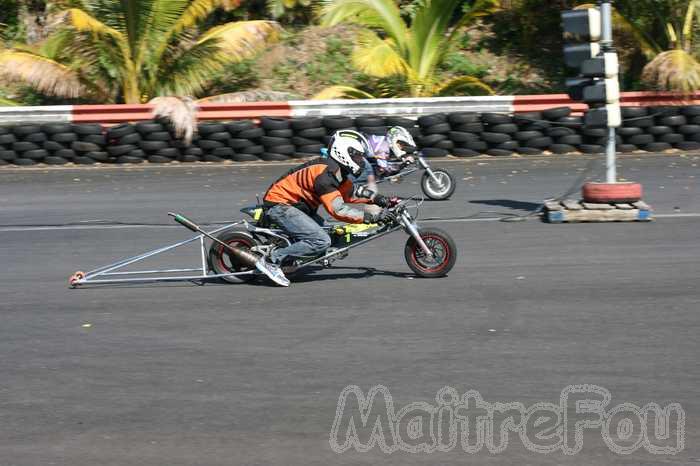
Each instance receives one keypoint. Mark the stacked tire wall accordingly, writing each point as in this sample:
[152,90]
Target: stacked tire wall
[459,134]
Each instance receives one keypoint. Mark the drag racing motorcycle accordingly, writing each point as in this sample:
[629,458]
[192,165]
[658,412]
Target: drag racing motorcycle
[429,252]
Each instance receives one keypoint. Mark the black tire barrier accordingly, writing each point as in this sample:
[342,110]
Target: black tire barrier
[461,134]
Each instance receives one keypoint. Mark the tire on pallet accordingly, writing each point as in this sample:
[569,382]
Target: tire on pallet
[603,193]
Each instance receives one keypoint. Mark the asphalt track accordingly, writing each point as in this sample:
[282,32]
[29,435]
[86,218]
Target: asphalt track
[180,374]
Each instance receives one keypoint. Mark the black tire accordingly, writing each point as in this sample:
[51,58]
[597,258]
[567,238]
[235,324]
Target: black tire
[238,157]
[571,140]
[527,118]
[145,127]
[25,130]
[311,133]
[171,152]
[235,127]
[656,147]
[537,126]
[506,128]
[205,129]
[375,130]
[280,133]
[65,153]
[272,123]
[460,118]
[195,151]
[539,143]
[626,132]
[24,162]
[98,139]
[99,156]
[304,155]
[603,141]
[37,154]
[508,145]
[495,138]
[595,132]
[400,121]
[188,158]
[430,120]
[220,260]
[54,160]
[626,148]
[369,121]
[120,131]
[462,152]
[689,129]
[554,114]
[270,141]
[469,128]
[525,135]
[529,151]
[479,146]
[272,157]
[445,144]
[675,120]
[83,160]
[8,155]
[80,146]
[22,146]
[337,122]
[640,139]
[643,122]
[430,140]
[297,141]
[591,149]
[129,159]
[165,136]
[658,130]
[459,136]
[687,145]
[499,152]
[53,128]
[664,110]
[131,138]
[123,149]
[441,245]
[691,110]
[86,129]
[672,138]
[5,130]
[693,138]
[223,152]
[310,148]
[633,112]
[207,144]
[559,131]
[64,138]
[7,138]
[236,143]
[433,152]
[35,137]
[496,118]
[562,149]
[286,149]
[252,150]
[214,158]
[159,159]
[570,121]
[300,124]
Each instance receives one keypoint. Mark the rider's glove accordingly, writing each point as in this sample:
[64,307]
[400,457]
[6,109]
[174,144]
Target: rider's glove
[381,201]
[384,217]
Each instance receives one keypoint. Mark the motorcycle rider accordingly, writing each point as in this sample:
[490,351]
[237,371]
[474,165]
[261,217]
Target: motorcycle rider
[292,201]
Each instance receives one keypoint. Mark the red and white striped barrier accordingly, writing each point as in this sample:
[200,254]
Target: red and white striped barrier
[409,107]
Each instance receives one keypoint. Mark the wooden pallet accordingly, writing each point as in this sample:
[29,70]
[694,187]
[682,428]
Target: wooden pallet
[572,211]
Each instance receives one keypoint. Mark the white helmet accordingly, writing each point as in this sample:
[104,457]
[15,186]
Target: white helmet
[398,138]
[349,148]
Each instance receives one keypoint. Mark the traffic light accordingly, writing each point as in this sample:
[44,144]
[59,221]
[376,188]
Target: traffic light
[597,83]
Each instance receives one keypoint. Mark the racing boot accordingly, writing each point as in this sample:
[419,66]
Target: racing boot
[272,271]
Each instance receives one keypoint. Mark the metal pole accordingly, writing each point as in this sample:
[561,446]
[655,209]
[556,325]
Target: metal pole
[607,45]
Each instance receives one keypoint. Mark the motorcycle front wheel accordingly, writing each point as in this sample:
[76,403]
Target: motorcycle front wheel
[440,189]
[442,247]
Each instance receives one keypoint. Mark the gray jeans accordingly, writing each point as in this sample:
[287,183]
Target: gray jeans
[306,234]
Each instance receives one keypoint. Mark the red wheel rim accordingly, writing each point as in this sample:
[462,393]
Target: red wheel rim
[436,244]
[221,253]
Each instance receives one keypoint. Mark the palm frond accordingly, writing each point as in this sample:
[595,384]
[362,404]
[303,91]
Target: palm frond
[342,92]
[673,70]
[45,75]
[377,57]
[242,39]
[466,85]
[5,102]
[181,112]
[82,21]
[380,14]
[199,10]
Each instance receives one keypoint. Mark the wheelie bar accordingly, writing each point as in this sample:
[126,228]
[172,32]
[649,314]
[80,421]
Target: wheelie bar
[243,256]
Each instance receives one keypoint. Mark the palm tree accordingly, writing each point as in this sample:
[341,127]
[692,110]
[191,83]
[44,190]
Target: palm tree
[134,50]
[389,46]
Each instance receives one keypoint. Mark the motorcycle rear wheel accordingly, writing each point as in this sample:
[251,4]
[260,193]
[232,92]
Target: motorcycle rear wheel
[221,261]
[440,244]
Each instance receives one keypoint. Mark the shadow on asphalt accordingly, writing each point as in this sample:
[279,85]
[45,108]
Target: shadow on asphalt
[509,203]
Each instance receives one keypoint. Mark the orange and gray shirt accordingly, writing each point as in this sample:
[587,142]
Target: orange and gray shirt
[313,183]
